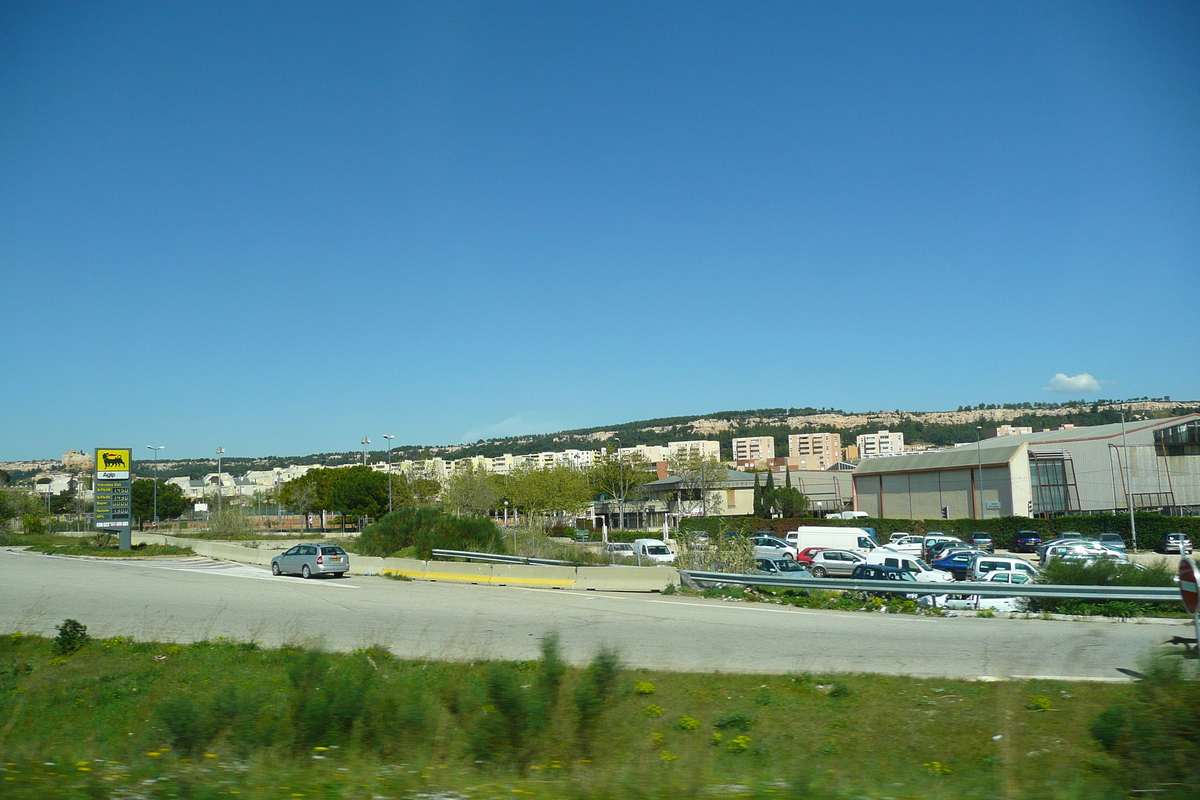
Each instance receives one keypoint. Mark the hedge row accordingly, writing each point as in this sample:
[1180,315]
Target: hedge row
[1151,528]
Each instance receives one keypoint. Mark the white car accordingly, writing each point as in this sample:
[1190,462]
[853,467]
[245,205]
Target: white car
[911,545]
[616,550]
[888,557]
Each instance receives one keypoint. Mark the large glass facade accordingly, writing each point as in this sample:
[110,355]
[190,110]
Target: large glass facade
[1178,440]
[1052,477]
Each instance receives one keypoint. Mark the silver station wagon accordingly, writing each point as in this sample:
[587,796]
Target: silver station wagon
[312,559]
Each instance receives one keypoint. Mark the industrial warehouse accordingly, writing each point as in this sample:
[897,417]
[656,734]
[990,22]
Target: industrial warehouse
[1153,464]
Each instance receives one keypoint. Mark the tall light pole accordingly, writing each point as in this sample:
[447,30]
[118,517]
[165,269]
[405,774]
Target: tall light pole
[979,452]
[365,441]
[1128,485]
[155,449]
[220,452]
[389,441]
[620,480]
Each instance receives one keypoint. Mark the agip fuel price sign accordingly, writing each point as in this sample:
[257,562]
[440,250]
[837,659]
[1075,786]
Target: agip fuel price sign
[113,487]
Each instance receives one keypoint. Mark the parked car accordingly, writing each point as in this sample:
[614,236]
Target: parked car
[1177,542]
[785,567]
[1008,576]
[983,540]
[984,565]
[897,536]
[805,556]
[912,545]
[616,550]
[307,560]
[932,539]
[944,548]
[1081,551]
[957,563]
[920,570]
[1026,542]
[1113,540]
[770,547]
[834,563]
[879,572]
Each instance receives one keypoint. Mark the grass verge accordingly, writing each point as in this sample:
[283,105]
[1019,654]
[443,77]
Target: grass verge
[96,545]
[121,718]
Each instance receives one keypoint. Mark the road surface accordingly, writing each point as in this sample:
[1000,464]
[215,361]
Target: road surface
[188,599]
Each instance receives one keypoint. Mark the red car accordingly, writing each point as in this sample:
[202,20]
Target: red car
[805,555]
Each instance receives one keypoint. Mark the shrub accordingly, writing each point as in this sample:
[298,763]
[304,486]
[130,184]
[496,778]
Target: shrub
[595,686]
[427,529]
[1155,730]
[72,635]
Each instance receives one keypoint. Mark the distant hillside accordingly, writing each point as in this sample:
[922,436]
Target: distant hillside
[936,428]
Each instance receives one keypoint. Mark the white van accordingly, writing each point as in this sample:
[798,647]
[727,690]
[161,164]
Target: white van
[848,515]
[858,540]
[986,563]
[652,551]
[906,561]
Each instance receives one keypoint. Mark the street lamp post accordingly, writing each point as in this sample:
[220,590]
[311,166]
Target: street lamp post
[979,452]
[389,441]
[1129,486]
[155,449]
[220,452]
[365,441]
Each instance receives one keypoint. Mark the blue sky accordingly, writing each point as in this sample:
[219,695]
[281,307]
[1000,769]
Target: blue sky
[279,227]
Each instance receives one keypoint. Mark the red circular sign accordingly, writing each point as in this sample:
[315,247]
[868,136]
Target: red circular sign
[1187,584]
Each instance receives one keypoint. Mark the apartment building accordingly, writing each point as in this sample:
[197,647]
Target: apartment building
[1009,430]
[815,450]
[754,448]
[883,443]
[701,447]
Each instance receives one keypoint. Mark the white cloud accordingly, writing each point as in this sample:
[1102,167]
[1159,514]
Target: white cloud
[513,426]
[1082,383]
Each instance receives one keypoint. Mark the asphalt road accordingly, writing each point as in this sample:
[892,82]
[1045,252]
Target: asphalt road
[182,600]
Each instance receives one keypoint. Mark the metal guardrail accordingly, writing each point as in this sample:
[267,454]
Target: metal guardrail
[981,588]
[500,559]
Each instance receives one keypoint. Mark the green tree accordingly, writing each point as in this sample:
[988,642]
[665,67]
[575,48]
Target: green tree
[171,502]
[472,490]
[620,477]
[311,493]
[360,491]
[760,508]
[555,493]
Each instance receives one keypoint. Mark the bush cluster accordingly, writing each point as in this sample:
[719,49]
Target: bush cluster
[416,531]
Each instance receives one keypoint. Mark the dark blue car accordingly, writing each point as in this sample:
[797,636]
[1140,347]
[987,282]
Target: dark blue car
[957,564]
[1026,542]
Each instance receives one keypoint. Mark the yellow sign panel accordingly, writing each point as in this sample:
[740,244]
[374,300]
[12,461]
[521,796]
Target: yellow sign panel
[113,459]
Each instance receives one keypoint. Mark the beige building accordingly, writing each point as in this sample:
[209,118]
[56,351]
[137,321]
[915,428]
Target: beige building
[1009,430]
[814,450]
[884,443]
[754,448]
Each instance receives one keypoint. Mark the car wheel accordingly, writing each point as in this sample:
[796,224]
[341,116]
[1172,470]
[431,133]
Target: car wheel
[275,570]
[818,572]
[305,571]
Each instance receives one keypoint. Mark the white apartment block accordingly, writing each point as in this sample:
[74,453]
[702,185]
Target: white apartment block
[754,448]
[884,443]
[815,450]
[703,448]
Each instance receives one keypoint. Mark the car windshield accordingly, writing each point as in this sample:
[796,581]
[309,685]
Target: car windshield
[787,565]
[658,550]
[331,551]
